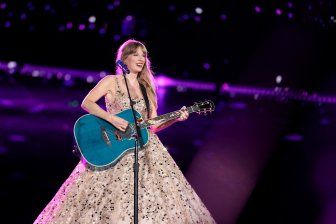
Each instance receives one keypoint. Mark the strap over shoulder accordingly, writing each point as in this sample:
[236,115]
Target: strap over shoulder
[144,93]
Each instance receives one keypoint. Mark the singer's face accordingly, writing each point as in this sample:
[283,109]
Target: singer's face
[136,61]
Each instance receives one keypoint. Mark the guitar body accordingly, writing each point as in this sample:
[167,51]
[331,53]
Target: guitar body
[101,144]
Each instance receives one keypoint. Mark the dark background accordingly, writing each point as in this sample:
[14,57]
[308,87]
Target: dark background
[257,159]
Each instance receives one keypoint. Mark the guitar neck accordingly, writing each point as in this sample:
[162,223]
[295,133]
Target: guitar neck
[165,117]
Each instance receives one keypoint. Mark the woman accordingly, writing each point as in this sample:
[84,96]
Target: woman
[106,196]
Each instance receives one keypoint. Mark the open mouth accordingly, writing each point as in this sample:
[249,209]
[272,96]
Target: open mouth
[139,65]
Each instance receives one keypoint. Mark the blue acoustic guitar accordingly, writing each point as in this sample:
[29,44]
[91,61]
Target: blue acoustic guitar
[102,145]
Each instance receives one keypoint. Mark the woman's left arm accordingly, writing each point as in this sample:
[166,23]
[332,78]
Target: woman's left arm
[183,116]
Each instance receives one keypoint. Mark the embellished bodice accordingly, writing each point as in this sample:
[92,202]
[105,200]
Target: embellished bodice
[120,101]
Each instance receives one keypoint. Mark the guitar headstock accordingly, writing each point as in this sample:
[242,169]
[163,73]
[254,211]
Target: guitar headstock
[204,107]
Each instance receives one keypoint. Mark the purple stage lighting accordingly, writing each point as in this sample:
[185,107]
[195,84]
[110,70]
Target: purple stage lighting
[3,5]
[197,18]
[257,9]
[184,17]
[295,137]
[206,66]
[92,26]
[3,150]
[110,6]
[17,138]
[163,81]
[128,25]
[8,24]
[223,17]
[278,12]
[69,25]
[81,27]
[102,31]
[116,37]
[30,6]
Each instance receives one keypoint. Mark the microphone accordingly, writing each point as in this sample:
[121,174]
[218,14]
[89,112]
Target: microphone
[123,66]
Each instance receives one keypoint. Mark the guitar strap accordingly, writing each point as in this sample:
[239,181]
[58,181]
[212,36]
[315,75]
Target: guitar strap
[144,93]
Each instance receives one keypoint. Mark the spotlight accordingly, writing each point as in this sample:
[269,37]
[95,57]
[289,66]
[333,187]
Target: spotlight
[12,65]
[102,74]
[81,27]
[92,19]
[89,79]
[278,12]
[35,73]
[67,77]
[199,10]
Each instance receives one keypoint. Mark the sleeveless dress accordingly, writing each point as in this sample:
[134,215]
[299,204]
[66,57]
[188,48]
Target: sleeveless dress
[164,195]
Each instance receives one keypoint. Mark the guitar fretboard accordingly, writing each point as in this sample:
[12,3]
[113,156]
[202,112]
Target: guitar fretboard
[166,117]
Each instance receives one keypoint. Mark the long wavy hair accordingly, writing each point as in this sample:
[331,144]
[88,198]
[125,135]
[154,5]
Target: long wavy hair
[145,77]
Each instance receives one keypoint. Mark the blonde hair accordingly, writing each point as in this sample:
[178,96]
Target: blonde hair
[145,77]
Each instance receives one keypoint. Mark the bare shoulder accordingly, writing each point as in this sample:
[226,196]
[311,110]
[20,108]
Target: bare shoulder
[106,81]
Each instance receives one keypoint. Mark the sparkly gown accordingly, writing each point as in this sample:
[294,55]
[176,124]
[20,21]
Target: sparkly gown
[106,196]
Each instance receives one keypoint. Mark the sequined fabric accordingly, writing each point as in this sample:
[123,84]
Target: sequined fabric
[106,196]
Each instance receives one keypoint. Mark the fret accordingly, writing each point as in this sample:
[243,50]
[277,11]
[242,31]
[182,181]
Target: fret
[165,117]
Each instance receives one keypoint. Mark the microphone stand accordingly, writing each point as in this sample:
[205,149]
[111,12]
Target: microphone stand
[137,136]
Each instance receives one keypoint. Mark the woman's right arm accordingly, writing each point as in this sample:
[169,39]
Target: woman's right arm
[90,105]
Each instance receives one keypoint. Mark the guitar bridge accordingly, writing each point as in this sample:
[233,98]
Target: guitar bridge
[118,137]
[105,136]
